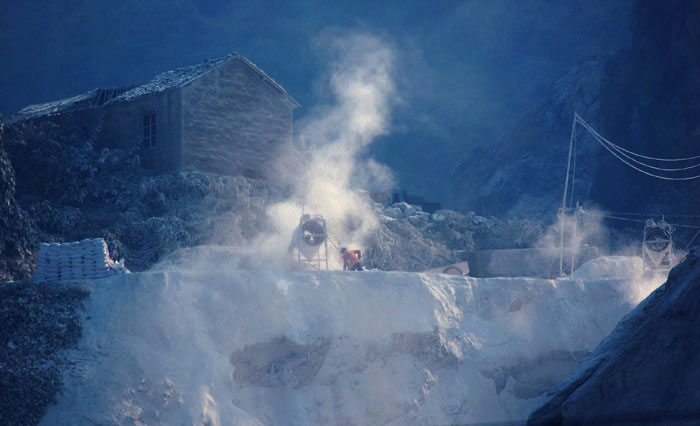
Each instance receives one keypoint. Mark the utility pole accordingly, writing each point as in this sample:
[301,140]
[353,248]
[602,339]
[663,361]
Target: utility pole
[562,211]
[574,243]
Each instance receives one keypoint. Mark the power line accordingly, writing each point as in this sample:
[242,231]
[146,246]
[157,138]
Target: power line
[653,158]
[644,171]
[636,220]
[618,152]
[604,142]
[583,122]
[614,217]
[692,239]
[662,169]
[654,214]
[684,226]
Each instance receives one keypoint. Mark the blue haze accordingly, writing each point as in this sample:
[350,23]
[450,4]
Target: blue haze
[466,70]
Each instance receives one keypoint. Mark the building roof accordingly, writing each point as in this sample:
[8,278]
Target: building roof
[160,83]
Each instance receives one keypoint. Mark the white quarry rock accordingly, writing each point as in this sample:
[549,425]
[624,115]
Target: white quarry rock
[478,220]
[438,217]
[214,343]
[410,211]
[393,212]
[419,221]
[401,205]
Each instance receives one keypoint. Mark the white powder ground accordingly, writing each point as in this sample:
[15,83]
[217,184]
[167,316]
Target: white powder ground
[221,344]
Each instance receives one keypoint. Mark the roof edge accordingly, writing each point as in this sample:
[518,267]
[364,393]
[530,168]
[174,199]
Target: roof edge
[268,79]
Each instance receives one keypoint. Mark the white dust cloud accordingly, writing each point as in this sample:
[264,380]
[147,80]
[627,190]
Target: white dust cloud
[590,233]
[332,139]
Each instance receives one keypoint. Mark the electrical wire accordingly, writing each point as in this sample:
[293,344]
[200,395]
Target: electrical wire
[654,214]
[662,169]
[613,217]
[585,124]
[692,239]
[636,220]
[644,171]
[604,142]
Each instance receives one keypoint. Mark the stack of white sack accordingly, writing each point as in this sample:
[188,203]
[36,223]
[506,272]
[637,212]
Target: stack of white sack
[86,259]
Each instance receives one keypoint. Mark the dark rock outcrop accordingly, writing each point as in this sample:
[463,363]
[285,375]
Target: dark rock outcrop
[646,371]
[646,97]
[73,190]
[17,239]
[522,174]
[650,103]
[39,320]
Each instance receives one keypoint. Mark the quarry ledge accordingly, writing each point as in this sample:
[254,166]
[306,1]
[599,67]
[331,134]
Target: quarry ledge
[455,349]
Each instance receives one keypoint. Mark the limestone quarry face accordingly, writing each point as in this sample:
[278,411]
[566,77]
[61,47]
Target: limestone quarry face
[217,342]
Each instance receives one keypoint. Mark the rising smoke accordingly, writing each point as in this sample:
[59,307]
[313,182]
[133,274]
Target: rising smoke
[331,178]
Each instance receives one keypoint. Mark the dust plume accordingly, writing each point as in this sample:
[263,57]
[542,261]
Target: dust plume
[623,263]
[330,177]
[582,234]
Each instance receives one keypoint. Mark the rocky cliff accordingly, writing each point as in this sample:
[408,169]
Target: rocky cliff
[650,103]
[17,237]
[645,97]
[522,173]
[646,371]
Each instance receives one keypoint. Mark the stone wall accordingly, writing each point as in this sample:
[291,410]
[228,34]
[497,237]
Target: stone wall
[123,128]
[234,122]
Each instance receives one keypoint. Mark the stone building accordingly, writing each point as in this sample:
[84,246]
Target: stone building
[223,116]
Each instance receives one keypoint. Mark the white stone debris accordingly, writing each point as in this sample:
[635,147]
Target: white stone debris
[438,217]
[392,212]
[404,210]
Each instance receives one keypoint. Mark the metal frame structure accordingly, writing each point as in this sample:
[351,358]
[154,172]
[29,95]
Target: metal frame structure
[658,250]
[312,234]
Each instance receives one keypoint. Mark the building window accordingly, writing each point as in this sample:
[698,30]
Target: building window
[149,130]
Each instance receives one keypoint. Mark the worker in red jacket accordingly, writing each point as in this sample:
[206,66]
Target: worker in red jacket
[351,260]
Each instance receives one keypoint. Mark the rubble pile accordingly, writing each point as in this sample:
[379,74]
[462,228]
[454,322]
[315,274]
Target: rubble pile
[413,240]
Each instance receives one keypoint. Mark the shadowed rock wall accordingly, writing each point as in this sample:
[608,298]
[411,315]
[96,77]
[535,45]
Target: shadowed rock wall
[234,122]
